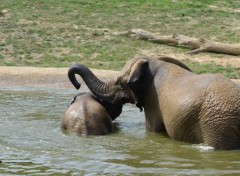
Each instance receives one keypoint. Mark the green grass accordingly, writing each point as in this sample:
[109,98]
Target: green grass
[59,32]
[228,71]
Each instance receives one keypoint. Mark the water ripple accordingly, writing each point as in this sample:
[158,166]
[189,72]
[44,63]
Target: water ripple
[32,143]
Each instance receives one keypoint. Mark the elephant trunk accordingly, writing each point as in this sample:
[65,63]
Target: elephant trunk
[98,88]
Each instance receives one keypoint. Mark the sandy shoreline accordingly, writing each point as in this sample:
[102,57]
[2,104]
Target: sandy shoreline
[36,76]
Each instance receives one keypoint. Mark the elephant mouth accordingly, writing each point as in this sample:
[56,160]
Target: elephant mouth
[131,97]
[135,98]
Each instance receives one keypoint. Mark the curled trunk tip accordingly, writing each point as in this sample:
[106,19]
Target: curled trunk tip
[71,75]
[99,88]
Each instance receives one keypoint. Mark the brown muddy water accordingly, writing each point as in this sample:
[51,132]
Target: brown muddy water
[32,143]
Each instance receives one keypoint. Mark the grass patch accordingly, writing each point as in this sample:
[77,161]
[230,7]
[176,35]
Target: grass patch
[228,71]
[57,33]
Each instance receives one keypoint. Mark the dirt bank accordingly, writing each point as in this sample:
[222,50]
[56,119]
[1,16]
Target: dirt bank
[35,76]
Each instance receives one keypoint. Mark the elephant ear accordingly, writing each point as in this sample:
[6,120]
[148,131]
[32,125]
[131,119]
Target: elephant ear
[137,71]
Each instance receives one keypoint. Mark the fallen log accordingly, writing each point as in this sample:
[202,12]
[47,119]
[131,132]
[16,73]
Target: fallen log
[196,45]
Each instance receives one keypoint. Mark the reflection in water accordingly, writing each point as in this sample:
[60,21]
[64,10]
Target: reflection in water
[32,143]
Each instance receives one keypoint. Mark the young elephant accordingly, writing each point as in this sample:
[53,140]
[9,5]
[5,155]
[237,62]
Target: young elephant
[88,115]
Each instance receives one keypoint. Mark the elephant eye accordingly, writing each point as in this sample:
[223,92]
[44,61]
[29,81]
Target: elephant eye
[118,82]
[121,87]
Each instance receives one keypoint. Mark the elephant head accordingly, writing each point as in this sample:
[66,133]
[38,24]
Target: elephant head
[88,115]
[113,110]
[128,86]
[111,91]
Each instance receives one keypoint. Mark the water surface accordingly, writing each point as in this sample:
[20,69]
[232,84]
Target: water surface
[32,143]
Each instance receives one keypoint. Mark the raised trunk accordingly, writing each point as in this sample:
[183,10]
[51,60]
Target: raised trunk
[98,88]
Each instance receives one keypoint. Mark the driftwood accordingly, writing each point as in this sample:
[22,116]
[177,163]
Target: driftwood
[195,44]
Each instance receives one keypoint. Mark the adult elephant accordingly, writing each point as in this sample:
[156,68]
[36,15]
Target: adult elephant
[88,115]
[189,107]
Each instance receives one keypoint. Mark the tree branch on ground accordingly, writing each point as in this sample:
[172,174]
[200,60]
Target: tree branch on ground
[196,45]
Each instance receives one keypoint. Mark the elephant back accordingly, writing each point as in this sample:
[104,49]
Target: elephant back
[86,116]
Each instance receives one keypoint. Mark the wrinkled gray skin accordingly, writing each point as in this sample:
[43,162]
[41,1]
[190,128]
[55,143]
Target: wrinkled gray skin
[188,107]
[87,115]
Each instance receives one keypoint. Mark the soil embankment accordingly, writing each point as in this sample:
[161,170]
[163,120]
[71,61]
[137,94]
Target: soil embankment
[35,76]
